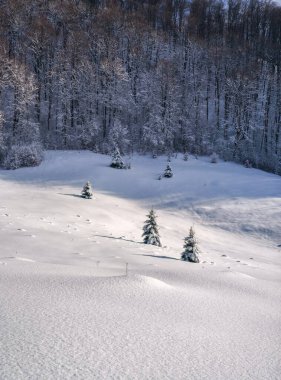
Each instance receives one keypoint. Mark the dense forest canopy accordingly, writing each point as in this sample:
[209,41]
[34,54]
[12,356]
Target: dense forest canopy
[153,76]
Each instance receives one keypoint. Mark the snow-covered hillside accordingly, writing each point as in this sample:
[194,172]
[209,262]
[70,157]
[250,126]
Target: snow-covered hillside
[68,309]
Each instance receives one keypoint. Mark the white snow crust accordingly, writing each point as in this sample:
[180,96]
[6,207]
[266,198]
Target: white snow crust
[69,310]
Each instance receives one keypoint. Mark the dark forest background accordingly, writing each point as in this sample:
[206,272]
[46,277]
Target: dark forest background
[153,76]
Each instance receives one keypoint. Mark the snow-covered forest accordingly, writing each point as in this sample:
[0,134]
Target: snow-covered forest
[155,76]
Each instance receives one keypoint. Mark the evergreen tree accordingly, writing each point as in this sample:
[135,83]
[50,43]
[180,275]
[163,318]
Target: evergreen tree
[168,172]
[87,191]
[117,161]
[191,250]
[150,230]
[248,164]
[214,158]
[185,156]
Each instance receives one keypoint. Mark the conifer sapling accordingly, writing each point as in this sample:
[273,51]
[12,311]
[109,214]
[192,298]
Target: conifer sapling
[150,230]
[185,156]
[168,172]
[248,164]
[87,191]
[214,158]
[191,250]
[117,161]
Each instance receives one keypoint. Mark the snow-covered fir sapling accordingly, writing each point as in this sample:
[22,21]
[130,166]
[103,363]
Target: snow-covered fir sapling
[117,161]
[248,164]
[150,230]
[87,192]
[185,156]
[191,250]
[214,158]
[168,172]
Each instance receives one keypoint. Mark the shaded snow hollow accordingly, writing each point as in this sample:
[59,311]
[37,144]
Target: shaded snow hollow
[68,309]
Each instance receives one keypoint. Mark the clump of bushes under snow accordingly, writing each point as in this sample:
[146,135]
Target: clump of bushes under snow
[23,156]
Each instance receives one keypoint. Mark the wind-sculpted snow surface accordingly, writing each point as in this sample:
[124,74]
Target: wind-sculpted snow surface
[69,308]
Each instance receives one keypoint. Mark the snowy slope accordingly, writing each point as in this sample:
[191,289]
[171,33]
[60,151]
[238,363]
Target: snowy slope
[67,308]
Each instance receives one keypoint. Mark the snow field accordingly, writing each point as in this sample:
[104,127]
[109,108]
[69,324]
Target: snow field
[67,308]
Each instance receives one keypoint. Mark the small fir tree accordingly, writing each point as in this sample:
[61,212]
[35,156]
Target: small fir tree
[168,172]
[117,161]
[185,156]
[87,191]
[150,230]
[191,250]
[214,158]
[248,164]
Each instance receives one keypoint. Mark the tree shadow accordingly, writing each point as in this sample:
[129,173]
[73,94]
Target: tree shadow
[72,195]
[158,257]
[119,238]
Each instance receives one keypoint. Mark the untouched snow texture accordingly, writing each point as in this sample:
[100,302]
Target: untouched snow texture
[67,308]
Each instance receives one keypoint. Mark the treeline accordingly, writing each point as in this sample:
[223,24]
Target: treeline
[152,76]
